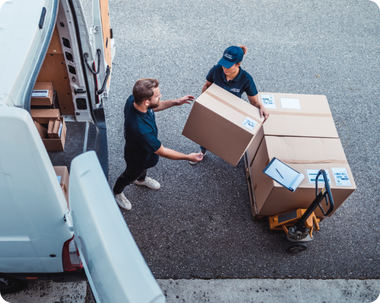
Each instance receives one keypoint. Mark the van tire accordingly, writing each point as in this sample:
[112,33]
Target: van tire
[9,285]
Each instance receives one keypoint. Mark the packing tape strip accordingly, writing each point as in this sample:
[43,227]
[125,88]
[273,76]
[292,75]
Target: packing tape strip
[327,161]
[232,107]
[271,112]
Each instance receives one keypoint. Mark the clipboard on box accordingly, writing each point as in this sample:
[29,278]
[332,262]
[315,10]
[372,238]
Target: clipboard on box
[284,174]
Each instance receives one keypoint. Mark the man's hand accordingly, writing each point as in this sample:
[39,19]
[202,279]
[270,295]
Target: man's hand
[186,99]
[264,113]
[174,155]
[195,157]
[170,103]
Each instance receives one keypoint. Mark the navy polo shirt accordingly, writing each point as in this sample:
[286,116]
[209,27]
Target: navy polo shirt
[243,82]
[140,131]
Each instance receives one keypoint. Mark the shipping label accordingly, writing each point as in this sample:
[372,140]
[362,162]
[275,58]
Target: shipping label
[312,174]
[268,101]
[40,93]
[341,176]
[290,103]
[249,123]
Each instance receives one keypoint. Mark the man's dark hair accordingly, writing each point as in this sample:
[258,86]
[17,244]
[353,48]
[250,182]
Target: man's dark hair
[143,89]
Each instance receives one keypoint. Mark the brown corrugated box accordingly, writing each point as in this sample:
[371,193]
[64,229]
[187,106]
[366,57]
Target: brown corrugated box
[41,130]
[223,123]
[43,116]
[312,119]
[53,144]
[56,128]
[42,99]
[50,128]
[63,174]
[302,154]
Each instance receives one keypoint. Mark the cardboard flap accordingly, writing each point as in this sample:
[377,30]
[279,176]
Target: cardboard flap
[305,150]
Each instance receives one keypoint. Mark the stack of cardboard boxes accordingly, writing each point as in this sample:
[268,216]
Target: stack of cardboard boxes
[300,132]
[49,123]
[51,126]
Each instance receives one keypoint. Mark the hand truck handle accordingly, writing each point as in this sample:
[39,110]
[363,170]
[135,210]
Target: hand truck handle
[326,191]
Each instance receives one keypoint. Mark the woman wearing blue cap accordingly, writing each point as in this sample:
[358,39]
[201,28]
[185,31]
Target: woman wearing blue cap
[229,75]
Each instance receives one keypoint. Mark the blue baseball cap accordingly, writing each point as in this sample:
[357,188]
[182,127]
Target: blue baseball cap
[231,56]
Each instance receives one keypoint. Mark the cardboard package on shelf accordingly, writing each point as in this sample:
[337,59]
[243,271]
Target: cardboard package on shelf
[63,179]
[42,94]
[54,141]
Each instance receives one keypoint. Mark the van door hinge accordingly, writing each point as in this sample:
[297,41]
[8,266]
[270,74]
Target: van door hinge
[79,91]
[96,29]
[69,221]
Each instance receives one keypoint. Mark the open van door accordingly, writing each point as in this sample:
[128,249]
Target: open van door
[104,45]
[115,267]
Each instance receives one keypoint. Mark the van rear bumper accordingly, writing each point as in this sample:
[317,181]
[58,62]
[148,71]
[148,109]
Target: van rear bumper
[67,276]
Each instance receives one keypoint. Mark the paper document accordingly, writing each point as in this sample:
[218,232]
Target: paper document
[312,174]
[283,174]
[249,123]
[268,101]
[40,93]
[290,103]
[60,129]
[341,176]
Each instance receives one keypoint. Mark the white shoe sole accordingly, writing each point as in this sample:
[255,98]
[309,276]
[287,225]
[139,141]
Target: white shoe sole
[146,184]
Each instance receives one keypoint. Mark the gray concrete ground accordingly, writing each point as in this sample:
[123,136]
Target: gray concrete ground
[270,291]
[221,291]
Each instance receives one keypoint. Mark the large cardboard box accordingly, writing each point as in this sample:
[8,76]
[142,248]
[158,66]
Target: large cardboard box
[53,144]
[294,115]
[63,179]
[42,94]
[43,116]
[307,156]
[223,123]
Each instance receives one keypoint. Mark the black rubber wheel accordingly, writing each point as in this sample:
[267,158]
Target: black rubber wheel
[9,285]
[296,247]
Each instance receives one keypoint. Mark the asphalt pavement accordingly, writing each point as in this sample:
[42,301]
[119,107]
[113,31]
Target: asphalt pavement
[199,224]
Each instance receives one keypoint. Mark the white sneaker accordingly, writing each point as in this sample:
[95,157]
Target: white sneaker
[123,202]
[204,154]
[149,182]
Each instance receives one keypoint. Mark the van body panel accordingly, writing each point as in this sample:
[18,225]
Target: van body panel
[114,265]
[21,59]
[33,227]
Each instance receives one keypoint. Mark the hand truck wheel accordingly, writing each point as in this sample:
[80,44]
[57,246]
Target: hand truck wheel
[296,247]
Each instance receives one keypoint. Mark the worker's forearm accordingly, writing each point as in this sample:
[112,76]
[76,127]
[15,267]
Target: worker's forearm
[165,105]
[171,154]
[206,86]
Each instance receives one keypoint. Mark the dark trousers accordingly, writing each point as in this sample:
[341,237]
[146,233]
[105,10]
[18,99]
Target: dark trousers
[127,177]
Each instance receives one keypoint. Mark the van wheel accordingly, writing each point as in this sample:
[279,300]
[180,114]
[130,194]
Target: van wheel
[9,285]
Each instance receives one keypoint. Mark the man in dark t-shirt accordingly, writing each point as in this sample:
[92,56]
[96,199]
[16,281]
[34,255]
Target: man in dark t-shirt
[142,147]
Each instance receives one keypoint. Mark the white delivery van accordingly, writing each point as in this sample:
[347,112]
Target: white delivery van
[54,79]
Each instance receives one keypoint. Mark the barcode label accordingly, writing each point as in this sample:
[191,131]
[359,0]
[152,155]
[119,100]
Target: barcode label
[40,93]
